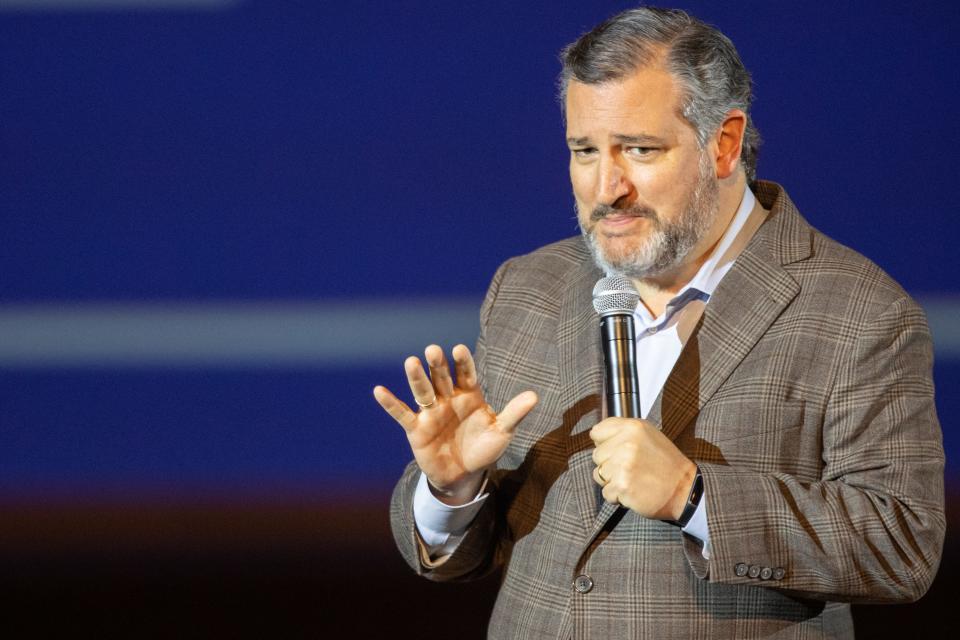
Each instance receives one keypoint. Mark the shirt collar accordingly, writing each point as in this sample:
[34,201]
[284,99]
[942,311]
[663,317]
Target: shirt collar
[716,266]
[705,281]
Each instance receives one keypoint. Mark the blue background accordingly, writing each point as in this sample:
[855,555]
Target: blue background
[311,151]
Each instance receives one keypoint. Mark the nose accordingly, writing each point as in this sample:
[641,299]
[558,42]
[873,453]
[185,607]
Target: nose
[614,184]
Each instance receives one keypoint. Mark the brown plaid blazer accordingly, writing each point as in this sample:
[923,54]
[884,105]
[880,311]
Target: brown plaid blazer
[805,396]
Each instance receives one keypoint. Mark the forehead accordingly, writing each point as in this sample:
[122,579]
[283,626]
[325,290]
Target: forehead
[647,101]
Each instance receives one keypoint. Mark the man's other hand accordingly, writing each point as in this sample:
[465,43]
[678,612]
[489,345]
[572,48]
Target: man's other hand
[455,436]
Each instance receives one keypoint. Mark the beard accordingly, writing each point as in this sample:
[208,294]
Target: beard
[668,242]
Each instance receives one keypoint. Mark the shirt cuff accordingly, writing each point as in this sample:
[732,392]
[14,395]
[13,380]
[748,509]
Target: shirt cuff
[442,525]
[697,526]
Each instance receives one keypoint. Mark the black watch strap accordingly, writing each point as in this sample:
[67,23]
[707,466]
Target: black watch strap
[693,501]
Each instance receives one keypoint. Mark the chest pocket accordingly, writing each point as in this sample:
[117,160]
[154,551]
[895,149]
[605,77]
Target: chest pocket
[728,421]
[766,437]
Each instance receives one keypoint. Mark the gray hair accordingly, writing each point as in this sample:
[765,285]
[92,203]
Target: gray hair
[711,75]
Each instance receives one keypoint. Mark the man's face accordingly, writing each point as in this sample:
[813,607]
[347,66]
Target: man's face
[646,194]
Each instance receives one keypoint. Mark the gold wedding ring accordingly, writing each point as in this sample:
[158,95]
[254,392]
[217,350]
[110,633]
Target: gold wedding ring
[600,473]
[426,405]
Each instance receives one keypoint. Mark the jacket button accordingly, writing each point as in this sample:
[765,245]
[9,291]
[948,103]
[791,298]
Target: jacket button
[778,573]
[754,571]
[740,569]
[765,573]
[583,584]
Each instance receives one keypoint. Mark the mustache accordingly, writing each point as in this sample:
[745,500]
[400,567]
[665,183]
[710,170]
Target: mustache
[601,211]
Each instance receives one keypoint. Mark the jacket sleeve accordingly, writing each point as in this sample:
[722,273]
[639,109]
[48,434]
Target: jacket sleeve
[475,556]
[872,528]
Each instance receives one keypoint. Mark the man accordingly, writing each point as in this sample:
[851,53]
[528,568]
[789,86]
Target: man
[790,459]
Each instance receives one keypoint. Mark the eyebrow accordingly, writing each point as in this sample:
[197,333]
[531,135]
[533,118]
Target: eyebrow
[642,138]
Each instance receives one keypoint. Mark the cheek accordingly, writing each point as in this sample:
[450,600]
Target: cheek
[663,186]
[653,182]
[581,180]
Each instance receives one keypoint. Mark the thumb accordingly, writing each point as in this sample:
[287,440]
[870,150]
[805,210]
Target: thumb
[516,410]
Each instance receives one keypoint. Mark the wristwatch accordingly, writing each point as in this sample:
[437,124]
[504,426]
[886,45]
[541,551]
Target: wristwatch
[693,501]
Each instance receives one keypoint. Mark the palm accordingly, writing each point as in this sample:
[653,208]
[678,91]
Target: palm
[456,434]
[458,437]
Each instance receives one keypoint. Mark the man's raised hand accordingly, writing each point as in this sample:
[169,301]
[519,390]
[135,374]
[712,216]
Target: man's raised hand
[456,435]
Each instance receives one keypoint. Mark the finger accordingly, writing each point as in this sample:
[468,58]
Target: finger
[609,494]
[420,386]
[599,477]
[399,411]
[465,368]
[516,410]
[602,452]
[439,370]
[605,429]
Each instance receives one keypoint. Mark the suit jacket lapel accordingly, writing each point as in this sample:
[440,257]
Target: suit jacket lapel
[750,297]
[581,381]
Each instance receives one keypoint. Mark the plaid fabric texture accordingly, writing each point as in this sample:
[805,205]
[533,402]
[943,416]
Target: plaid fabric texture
[805,396]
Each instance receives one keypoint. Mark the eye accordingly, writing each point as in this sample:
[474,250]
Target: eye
[584,152]
[640,152]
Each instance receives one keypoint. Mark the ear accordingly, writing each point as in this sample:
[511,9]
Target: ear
[729,141]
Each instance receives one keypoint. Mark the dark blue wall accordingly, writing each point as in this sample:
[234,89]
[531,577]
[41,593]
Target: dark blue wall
[278,151]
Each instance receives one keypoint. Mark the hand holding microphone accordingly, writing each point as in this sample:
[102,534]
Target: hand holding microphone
[637,466]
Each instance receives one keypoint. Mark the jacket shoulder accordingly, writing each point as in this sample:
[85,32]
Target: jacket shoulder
[534,286]
[822,265]
[537,280]
[837,270]
[557,258]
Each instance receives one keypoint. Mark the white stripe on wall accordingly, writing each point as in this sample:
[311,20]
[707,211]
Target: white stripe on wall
[231,335]
[943,315]
[273,335]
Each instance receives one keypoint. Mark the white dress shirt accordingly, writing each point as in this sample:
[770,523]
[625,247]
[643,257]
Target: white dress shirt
[659,343]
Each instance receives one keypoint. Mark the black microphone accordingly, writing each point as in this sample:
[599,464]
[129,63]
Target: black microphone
[615,298]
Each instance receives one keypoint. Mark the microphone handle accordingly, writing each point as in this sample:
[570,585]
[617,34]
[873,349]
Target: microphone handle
[620,357]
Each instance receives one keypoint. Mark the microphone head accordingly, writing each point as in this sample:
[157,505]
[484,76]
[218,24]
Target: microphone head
[615,294]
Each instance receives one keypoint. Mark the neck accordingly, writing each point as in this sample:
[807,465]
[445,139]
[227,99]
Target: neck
[656,291]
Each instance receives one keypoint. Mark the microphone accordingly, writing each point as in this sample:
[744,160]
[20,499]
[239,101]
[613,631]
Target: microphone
[615,298]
